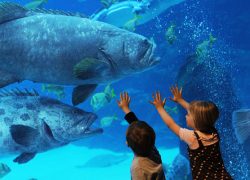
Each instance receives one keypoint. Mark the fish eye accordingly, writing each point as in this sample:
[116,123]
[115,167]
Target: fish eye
[76,111]
[145,41]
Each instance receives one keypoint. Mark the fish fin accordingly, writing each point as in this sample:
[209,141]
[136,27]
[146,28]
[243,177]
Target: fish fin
[10,11]
[241,124]
[115,117]
[107,3]
[4,169]
[6,78]
[24,135]
[107,89]
[60,95]
[113,93]
[43,87]
[86,68]
[24,157]
[17,92]
[211,39]
[58,12]
[80,93]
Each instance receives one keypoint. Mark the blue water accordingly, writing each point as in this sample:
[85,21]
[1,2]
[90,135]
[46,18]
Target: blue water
[223,78]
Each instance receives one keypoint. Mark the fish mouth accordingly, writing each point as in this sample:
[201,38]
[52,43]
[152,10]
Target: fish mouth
[89,132]
[147,59]
[48,132]
[87,123]
[86,126]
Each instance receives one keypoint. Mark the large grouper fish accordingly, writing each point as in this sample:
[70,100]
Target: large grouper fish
[57,48]
[30,124]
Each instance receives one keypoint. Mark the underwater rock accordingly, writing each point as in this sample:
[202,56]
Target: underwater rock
[210,80]
[58,48]
[51,124]
[179,169]
[4,170]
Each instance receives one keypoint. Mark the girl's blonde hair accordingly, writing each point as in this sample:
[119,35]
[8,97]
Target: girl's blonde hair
[205,114]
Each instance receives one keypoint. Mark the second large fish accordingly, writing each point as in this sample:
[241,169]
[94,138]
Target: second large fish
[30,124]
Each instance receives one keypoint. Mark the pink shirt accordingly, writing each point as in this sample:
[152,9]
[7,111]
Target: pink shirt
[189,137]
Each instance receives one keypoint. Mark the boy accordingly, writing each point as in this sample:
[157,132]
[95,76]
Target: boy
[140,137]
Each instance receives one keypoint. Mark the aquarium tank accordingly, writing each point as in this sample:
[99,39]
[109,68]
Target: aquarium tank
[64,64]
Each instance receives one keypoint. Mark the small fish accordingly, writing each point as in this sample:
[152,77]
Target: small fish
[173,110]
[241,124]
[132,23]
[101,99]
[203,48]
[4,170]
[108,3]
[170,34]
[107,121]
[35,4]
[54,89]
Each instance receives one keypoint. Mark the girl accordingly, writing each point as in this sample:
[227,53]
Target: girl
[203,141]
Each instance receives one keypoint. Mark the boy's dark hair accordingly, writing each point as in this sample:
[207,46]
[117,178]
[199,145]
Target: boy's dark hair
[141,138]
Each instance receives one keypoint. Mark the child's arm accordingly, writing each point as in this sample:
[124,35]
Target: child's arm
[177,97]
[123,103]
[159,105]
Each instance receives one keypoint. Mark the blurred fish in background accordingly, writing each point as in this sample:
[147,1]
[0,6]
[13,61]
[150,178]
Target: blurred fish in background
[35,4]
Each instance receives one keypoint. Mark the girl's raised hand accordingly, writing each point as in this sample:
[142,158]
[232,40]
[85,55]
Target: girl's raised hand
[177,93]
[157,101]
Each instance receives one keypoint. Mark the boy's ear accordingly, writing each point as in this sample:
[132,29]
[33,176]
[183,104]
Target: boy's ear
[127,143]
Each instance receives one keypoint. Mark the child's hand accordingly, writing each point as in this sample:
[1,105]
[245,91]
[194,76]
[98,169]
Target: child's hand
[177,93]
[124,101]
[157,101]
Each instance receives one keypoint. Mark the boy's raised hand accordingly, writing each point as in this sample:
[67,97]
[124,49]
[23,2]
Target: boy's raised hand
[177,93]
[124,101]
[157,101]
